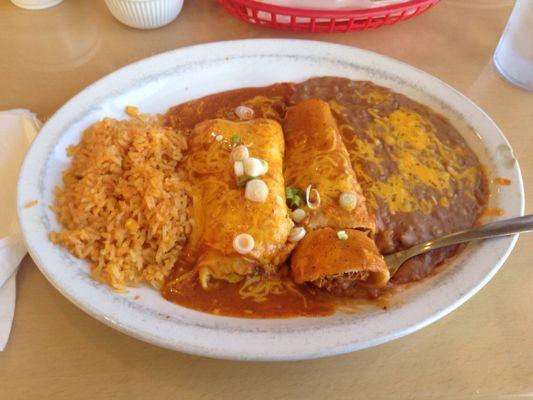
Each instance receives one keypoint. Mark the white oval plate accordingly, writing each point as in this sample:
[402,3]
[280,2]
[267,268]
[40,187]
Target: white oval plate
[156,83]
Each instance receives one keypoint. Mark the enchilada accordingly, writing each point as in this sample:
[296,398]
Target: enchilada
[226,220]
[337,248]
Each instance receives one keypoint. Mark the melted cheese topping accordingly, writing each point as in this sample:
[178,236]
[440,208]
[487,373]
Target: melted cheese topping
[262,105]
[409,158]
[259,288]
[265,105]
[336,107]
[375,96]
[220,209]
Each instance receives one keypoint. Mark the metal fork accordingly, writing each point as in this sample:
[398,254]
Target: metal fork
[494,229]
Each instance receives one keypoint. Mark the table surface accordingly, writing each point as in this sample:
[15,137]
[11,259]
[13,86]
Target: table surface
[483,350]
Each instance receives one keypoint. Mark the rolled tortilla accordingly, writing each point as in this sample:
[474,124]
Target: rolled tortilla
[335,264]
[316,155]
[220,209]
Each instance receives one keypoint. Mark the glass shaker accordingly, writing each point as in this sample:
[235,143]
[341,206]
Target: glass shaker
[513,57]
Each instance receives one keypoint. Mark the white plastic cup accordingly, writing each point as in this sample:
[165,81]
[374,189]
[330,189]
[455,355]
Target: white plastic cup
[513,57]
[35,4]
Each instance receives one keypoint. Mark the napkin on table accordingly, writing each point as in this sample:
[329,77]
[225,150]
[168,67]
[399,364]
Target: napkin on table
[18,128]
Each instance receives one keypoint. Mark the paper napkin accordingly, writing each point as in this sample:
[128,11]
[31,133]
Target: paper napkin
[18,128]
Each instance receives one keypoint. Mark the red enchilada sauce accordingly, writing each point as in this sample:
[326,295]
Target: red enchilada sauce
[248,298]
[419,176]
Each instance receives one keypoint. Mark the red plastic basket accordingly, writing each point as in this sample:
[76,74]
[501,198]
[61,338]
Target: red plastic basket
[324,21]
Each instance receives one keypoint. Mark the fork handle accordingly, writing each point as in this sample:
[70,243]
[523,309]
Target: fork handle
[494,229]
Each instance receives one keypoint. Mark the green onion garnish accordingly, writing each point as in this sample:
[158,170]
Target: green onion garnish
[236,139]
[294,197]
[241,181]
[342,235]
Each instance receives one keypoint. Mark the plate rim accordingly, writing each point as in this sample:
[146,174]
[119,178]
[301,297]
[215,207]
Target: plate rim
[218,352]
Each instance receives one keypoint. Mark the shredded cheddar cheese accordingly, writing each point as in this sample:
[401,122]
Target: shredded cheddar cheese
[258,288]
[374,97]
[336,107]
[264,105]
[407,141]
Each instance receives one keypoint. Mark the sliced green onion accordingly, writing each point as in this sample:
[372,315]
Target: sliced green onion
[243,243]
[256,190]
[240,153]
[348,201]
[308,191]
[296,201]
[290,192]
[241,181]
[294,197]
[342,235]
[296,234]
[236,139]
[298,215]
[244,112]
